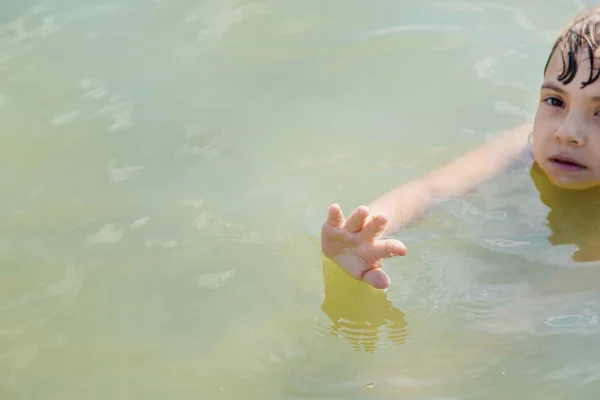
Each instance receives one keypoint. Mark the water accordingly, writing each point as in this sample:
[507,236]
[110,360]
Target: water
[166,166]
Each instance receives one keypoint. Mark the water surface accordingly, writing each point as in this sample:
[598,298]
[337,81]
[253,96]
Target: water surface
[165,168]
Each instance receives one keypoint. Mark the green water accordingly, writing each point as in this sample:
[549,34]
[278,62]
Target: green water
[166,165]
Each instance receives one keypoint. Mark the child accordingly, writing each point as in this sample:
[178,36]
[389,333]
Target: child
[563,144]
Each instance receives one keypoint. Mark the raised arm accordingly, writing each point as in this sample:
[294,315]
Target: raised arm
[357,244]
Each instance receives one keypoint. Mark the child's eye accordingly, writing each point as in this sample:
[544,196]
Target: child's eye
[554,102]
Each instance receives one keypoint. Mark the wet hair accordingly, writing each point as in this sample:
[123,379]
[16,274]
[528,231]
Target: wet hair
[581,35]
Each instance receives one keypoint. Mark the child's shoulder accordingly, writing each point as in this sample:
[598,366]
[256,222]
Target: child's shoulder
[516,145]
[526,155]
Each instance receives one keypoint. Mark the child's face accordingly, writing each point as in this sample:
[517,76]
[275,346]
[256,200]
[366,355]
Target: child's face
[566,132]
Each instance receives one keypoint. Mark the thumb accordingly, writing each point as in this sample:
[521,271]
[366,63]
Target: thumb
[377,278]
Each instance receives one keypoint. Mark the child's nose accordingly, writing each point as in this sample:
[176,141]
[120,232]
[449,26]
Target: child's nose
[570,134]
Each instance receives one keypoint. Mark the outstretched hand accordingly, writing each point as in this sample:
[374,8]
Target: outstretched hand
[355,244]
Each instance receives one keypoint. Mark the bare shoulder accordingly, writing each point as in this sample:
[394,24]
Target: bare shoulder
[500,153]
[513,146]
[517,138]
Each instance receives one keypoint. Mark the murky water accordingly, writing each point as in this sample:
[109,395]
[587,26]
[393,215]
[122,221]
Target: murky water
[166,166]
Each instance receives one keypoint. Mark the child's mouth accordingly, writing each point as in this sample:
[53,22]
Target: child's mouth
[567,164]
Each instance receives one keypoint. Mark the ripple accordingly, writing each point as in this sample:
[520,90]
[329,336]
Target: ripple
[201,142]
[362,337]
[140,222]
[69,285]
[65,118]
[568,372]
[117,110]
[411,28]
[226,18]
[93,88]
[507,242]
[120,114]
[363,317]
[21,29]
[217,227]
[580,371]
[122,173]
[468,212]
[215,280]
[563,321]
[484,68]
[161,243]
[109,233]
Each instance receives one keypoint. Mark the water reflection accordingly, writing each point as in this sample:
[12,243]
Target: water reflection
[572,217]
[361,315]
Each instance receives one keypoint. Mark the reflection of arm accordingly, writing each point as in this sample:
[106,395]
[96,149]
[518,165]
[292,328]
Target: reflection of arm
[358,312]
[409,201]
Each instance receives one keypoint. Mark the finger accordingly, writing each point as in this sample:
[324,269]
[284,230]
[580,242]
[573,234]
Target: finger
[335,216]
[374,226]
[356,220]
[377,278]
[389,248]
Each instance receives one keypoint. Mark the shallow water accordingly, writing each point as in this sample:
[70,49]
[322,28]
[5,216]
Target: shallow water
[166,166]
